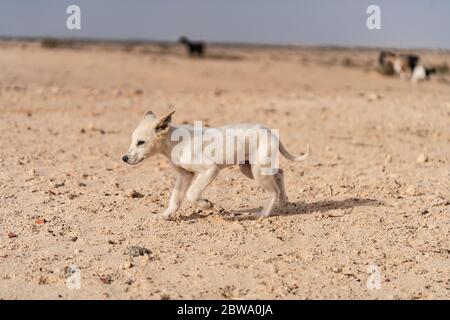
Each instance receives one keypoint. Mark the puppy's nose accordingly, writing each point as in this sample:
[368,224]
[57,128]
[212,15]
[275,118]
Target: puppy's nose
[125,158]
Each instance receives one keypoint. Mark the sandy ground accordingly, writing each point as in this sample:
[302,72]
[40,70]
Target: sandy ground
[375,193]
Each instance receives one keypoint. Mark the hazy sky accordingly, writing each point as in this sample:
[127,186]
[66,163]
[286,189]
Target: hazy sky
[405,23]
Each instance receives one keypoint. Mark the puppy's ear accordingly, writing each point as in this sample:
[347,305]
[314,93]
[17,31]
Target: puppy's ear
[149,114]
[163,124]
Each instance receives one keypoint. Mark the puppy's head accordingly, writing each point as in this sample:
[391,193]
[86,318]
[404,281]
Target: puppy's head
[148,138]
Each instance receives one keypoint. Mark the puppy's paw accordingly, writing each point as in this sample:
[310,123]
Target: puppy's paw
[204,204]
[262,214]
[162,216]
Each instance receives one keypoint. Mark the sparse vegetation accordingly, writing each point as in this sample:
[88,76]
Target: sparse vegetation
[442,68]
[387,70]
[52,43]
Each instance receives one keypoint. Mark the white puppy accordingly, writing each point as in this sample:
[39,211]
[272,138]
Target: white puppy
[201,153]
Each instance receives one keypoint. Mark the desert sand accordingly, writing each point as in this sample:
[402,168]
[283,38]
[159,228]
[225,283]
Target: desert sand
[374,193]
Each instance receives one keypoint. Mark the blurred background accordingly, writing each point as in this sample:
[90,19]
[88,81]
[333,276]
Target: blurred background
[405,23]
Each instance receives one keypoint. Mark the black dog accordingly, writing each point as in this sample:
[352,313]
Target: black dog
[194,48]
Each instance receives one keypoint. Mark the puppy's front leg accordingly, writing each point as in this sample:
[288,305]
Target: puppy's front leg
[179,191]
[194,193]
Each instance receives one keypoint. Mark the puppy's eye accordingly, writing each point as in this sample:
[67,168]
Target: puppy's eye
[140,142]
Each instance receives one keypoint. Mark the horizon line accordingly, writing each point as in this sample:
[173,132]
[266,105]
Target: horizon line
[119,40]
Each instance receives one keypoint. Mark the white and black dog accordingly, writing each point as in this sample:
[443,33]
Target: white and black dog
[400,64]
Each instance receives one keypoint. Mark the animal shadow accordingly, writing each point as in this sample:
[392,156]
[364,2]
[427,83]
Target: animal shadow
[295,208]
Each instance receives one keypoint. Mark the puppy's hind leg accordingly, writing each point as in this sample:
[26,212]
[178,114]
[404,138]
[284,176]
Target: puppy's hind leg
[279,177]
[269,183]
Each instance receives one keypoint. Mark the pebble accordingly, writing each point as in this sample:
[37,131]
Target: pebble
[115,183]
[440,201]
[126,265]
[106,279]
[134,194]
[40,221]
[336,269]
[388,159]
[129,282]
[136,251]
[422,158]
[411,190]
[373,96]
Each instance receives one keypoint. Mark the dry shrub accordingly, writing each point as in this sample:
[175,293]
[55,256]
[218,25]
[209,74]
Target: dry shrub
[51,43]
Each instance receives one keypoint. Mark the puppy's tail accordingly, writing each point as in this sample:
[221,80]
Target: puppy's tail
[291,157]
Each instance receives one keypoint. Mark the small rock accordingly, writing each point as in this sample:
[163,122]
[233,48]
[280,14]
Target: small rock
[115,183]
[336,269]
[388,159]
[134,194]
[218,92]
[411,190]
[372,96]
[440,201]
[106,279]
[11,235]
[126,265]
[32,173]
[59,184]
[164,296]
[424,211]
[335,213]
[422,158]
[40,221]
[136,251]
[73,239]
